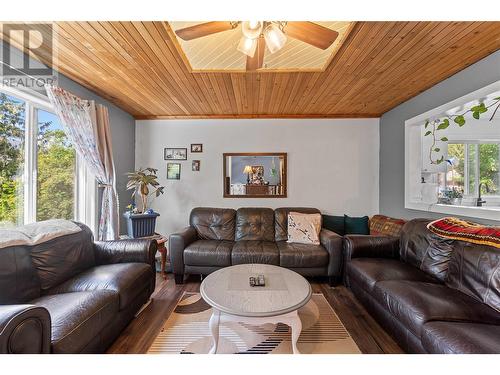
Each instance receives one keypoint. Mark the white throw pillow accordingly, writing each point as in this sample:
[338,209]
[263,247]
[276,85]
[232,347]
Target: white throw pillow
[304,228]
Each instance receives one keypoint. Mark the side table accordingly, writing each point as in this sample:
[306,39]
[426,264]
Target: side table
[162,248]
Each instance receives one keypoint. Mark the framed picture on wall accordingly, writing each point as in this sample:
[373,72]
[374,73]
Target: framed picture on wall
[173,171]
[196,147]
[195,166]
[175,153]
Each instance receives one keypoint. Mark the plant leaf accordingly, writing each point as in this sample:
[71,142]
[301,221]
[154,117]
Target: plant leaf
[426,124]
[444,139]
[444,124]
[437,149]
[475,115]
[427,133]
[459,120]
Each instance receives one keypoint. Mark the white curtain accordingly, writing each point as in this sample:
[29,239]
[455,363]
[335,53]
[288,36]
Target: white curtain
[87,126]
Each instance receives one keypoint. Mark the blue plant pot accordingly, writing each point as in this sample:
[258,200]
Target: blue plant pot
[141,225]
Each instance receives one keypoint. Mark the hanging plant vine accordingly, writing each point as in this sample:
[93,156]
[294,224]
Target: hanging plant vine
[459,119]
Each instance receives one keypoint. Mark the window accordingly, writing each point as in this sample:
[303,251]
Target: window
[12,144]
[41,177]
[471,164]
[452,155]
[56,160]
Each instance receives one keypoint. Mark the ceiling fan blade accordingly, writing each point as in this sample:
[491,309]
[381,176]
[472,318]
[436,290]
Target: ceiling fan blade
[311,33]
[203,29]
[256,62]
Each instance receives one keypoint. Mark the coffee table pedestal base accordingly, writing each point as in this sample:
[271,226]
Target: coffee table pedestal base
[291,319]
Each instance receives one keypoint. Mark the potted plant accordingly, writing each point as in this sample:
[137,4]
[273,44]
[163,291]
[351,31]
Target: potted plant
[454,196]
[144,183]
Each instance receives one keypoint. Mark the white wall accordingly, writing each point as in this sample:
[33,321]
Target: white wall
[333,164]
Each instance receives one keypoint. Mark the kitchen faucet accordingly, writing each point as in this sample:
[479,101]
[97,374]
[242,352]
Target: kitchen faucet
[479,200]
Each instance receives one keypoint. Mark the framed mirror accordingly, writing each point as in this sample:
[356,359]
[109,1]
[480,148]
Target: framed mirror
[255,175]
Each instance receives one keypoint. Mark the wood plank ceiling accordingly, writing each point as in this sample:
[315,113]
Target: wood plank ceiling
[137,66]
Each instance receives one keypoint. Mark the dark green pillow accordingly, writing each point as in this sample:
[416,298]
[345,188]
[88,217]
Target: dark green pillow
[356,225]
[334,223]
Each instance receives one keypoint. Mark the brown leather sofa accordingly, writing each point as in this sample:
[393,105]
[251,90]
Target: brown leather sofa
[221,237]
[71,294]
[433,295]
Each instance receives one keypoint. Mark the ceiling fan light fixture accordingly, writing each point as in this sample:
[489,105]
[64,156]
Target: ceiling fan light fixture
[247,46]
[275,38]
[251,29]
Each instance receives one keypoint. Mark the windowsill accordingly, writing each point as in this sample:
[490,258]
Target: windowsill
[485,212]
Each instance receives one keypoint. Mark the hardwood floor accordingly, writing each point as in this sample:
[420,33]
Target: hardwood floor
[141,332]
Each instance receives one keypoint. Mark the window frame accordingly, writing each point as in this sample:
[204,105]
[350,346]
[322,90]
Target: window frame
[477,177]
[85,194]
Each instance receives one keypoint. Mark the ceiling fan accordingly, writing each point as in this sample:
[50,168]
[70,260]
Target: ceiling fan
[259,34]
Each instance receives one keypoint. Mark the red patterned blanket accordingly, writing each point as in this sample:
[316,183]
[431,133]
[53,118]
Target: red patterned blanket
[457,229]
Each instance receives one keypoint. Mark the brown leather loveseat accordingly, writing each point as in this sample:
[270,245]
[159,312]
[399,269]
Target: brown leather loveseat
[433,295]
[221,237]
[71,294]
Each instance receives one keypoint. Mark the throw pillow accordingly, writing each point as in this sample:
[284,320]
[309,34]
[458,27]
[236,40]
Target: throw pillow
[304,228]
[381,225]
[356,225]
[334,223]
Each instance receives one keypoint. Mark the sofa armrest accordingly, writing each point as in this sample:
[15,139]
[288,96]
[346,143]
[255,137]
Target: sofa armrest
[332,242]
[177,242]
[126,251]
[24,329]
[362,246]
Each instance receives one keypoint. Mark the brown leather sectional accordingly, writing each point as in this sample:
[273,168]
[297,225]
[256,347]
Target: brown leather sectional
[71,294]
[221,237]
[433,295]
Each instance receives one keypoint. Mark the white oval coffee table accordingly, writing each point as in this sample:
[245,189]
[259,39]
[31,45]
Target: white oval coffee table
[233,299]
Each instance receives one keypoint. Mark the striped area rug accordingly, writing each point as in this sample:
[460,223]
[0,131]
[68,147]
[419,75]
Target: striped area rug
[186,332]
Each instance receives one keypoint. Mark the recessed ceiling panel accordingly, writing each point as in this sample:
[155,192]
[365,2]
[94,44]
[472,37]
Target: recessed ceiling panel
[217,52]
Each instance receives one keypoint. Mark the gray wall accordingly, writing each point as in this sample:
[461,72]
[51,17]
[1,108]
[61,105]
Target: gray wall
[122,135]
[332,163]
[392,131]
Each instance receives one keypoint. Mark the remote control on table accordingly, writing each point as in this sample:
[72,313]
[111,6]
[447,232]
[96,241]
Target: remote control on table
[261,280]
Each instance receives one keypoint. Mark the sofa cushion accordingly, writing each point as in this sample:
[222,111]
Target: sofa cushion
[475,270]
[208,253]
[414,241]
[356,225]
[381,225]
[254,224]
[127,279]
[213,223]
[19,280]
[281,220]
[245,252]
[461,338]
[61,258]
[368,271]
[334,223]
[297,255]
[78,317]
[414,303]
[421,248]
[304,228]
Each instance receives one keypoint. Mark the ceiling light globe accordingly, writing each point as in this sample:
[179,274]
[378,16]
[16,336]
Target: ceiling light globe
[251,29]
[247,46]
[275,38]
